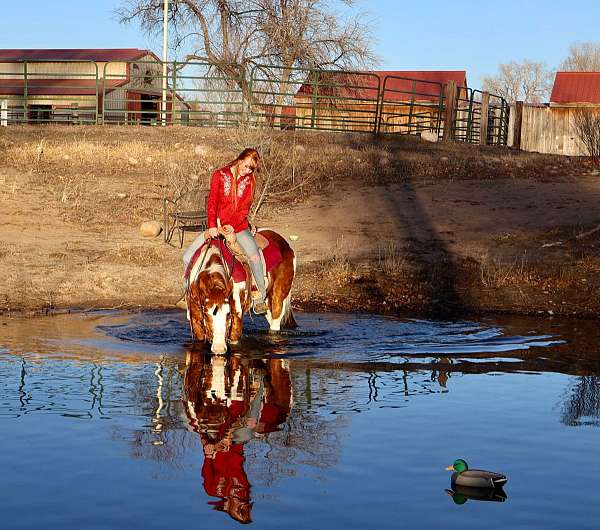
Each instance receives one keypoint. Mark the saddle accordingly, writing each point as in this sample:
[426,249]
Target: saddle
[261,242]
[236,260]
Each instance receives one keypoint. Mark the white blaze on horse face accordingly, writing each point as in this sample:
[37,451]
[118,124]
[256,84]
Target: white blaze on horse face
[218,316]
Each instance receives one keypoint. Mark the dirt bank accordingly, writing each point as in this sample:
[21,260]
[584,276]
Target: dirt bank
[389,224]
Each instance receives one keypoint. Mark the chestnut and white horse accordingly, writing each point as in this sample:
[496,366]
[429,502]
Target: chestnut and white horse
[217,302]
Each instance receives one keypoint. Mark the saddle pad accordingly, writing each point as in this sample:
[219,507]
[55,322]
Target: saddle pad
[271,255]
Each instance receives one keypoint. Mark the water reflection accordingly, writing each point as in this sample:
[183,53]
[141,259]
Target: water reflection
[582,403]
[461,494]
[229,402]
[333,432]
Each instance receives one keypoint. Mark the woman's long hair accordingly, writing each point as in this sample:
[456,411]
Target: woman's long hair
[251,153]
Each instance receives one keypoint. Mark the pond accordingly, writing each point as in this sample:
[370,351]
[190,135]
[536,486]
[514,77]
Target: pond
[115,420]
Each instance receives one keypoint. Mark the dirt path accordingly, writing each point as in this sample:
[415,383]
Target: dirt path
[467,218]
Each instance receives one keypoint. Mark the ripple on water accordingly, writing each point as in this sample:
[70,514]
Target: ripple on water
[344,338]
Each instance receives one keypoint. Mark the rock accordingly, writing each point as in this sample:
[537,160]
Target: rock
[299,148]
[148,160]
[66,157]
[201,150]
[150,228]
[133,161]
[384,161]
[121,195]
[177,145]
[429,136]
[444,158]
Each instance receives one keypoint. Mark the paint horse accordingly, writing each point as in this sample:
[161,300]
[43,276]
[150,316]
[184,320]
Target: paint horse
[220,289]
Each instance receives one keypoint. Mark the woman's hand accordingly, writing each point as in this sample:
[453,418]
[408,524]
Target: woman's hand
[213,232]
[227,230]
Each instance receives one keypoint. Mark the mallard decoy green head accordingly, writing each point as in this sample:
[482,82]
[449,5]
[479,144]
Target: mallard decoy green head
[474,478]
[459,466]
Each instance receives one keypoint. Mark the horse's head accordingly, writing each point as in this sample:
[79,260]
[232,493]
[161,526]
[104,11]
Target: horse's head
[211,292]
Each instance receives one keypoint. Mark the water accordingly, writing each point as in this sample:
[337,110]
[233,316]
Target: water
[114,420]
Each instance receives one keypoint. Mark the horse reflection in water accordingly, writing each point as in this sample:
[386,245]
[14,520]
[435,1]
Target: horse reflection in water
[230,401]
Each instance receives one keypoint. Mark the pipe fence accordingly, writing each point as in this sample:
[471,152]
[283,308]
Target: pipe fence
[130,93]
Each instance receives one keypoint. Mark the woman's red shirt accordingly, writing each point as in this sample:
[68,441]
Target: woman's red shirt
[221,204]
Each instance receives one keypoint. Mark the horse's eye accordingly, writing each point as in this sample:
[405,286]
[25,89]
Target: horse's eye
[215,311]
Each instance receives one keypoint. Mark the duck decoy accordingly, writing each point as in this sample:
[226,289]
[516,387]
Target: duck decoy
[474,478]
[460,494]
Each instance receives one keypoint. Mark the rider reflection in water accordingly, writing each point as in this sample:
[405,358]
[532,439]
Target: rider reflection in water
[231,401]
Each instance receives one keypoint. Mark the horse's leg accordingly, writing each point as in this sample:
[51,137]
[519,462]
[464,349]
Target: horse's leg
[237,313]
[279,294]
[196,322]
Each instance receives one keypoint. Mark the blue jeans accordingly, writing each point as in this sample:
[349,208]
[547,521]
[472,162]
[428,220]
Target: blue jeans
[248,244]
[189,253]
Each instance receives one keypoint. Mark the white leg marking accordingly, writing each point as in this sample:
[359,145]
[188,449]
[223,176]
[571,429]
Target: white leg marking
[219,326]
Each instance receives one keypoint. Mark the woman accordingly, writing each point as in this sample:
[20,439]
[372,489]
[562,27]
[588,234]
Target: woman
[229,201]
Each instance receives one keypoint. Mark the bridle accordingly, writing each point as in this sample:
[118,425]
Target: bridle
[228,320]
[203,311]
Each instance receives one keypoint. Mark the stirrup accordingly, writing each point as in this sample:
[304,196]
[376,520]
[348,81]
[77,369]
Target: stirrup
[259,307]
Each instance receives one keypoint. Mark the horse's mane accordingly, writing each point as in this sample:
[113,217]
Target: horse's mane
[212,280]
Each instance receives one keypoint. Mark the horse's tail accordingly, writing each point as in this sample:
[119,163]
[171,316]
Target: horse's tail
[288,321]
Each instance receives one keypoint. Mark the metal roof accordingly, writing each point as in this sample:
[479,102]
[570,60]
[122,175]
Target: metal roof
[57,87]
[576,87]
[74,54]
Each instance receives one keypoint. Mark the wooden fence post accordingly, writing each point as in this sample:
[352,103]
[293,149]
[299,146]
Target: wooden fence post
[517,125]
[483,123]
[450,110]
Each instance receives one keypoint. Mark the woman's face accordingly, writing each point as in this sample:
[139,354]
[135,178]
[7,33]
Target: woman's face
[245,167]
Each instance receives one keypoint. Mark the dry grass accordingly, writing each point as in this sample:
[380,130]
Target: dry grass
[495,273]
[140,255]
[7,250]
[336,267]
[78,165]
[390,260]
[97,176]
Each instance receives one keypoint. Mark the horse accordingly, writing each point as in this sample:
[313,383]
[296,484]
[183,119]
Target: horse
[219,294]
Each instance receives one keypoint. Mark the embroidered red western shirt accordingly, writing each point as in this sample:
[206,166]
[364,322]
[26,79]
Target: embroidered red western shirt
[221,204]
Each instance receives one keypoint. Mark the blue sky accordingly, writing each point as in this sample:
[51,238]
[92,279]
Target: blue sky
[475,35]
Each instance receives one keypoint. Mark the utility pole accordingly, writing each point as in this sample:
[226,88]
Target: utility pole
[163,103]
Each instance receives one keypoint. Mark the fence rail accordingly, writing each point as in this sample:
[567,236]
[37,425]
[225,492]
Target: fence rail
[130,92]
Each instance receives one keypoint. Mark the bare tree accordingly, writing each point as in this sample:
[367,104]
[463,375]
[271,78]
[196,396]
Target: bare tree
[235,35]
[584,57]
[587,128]
[527,81]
